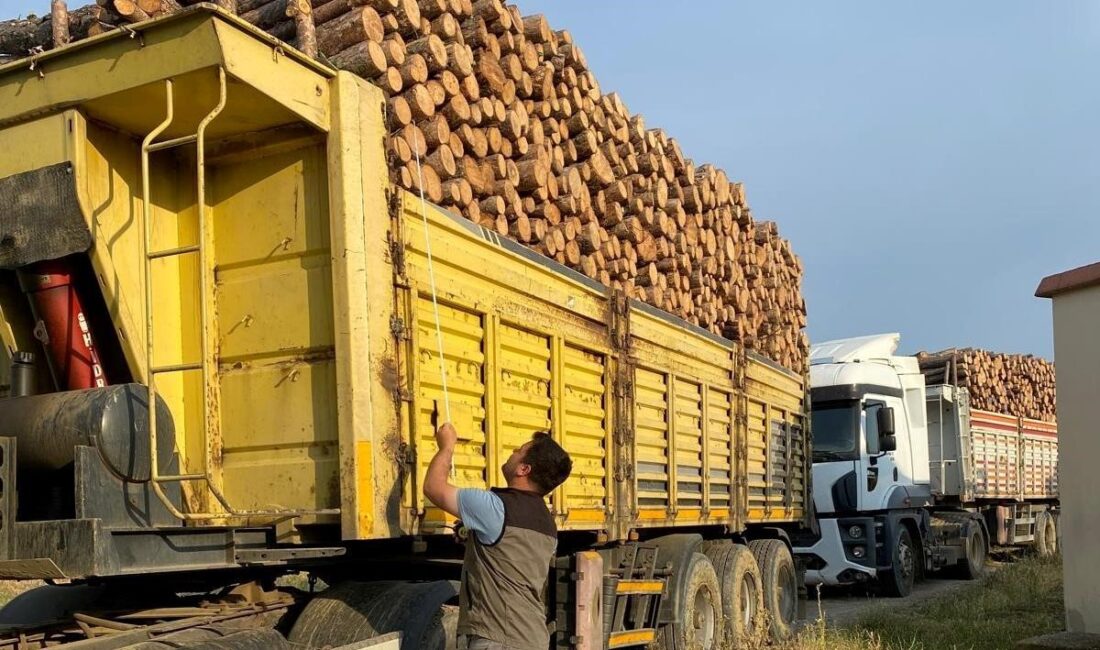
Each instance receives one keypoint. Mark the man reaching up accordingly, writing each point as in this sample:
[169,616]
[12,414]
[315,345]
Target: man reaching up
[514,540]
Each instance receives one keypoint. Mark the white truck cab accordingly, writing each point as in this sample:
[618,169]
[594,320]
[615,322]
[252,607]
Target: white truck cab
[870,469]
[881,513]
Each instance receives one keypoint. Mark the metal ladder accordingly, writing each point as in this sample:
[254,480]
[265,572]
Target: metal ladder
[149,146]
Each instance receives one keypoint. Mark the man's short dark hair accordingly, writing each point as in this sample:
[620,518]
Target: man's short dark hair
[550,464]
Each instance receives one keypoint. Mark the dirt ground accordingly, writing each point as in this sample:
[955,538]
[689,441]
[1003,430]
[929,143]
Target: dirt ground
[843,607]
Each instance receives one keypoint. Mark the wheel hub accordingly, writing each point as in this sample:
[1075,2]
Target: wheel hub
[788,594]
[703,621]
[905,560]
[748,603]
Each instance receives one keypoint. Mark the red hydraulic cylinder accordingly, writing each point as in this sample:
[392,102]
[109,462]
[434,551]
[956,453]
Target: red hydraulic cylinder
[61,326]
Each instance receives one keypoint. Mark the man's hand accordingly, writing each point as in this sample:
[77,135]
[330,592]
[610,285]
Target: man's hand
[437,487]
[446,436]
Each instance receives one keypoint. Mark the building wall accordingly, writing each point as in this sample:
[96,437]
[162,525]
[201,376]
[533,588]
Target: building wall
[1077,354]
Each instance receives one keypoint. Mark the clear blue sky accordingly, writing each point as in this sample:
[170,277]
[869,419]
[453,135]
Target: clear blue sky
[930,161]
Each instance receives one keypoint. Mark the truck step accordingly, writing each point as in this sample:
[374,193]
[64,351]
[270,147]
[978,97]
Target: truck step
[631,638]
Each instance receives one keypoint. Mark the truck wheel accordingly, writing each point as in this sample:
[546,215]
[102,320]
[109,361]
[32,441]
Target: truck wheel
[742,590]
[972,566]
[780,583]
[1046,534]
[354,611]
[50,604]
[898,581]
[237,640]
[442,631]
[700,615]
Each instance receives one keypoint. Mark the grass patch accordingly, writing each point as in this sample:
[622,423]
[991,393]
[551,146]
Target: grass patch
[11,588]
[1020,600]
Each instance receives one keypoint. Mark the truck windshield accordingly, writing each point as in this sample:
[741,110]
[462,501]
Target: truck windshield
[836,430]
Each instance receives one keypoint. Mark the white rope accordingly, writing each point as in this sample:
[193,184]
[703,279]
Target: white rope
[435,303]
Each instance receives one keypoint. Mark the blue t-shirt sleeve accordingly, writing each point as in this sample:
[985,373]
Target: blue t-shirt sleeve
[482,512]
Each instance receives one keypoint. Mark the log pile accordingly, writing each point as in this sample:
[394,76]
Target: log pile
[497,117]
[1016,384]
[27,36]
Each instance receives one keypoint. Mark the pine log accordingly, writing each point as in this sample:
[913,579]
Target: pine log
[415,70]
[22,36]
[305,31]
[355,28]
[433,51]
[129,10]
[159,7]
[511,130]
[59,23]
[365,59]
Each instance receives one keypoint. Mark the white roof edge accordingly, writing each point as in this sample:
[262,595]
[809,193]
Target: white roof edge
[861,348]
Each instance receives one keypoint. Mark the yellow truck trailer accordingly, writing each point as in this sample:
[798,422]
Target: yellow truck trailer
[193,215]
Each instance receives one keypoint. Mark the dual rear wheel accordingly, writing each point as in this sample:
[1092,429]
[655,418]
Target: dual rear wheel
[733,595]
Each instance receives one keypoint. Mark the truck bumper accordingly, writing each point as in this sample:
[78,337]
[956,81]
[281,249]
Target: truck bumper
[830,560]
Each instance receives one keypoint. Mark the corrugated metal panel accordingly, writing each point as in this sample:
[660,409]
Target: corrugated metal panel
[463,337]
[1039,453]
[523,361]
[540,352]
[798,462]
[652,441]
[757,457]
[689,444]
[720,451]
[1013,458]
[585,433]
[777,444]
[996,455]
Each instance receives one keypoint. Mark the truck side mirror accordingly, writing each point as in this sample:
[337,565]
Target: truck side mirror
[887,440]
[885,422]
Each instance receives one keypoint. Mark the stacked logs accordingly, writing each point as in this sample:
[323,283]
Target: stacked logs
[497,117]
[1016,384]
[27,36]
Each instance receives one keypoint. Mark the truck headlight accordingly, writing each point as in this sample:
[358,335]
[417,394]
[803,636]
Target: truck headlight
[855,532]
[858,551]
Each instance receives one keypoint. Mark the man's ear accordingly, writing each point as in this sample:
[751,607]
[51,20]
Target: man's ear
[523,469]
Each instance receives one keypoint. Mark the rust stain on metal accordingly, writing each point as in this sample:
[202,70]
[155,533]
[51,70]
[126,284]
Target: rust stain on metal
[389,374]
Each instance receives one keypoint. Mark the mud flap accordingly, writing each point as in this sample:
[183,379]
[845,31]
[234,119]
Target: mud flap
[40,217]
[803,590]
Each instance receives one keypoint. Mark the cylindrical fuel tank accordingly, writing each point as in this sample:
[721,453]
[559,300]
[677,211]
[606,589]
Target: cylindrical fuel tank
[114,420]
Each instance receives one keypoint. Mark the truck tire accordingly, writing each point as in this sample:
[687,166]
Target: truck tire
[897,582]
[442,632]
[742,590]
[780,582]
[355,611]
[1046,534]
[976,548]
[700,615]
[50,604]
[239,640]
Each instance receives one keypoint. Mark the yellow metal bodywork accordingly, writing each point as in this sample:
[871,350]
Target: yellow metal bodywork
[327,386]
[717,437]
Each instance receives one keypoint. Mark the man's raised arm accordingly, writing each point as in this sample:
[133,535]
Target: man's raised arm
[437,486]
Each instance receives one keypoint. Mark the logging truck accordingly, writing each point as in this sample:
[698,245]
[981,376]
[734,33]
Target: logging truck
[908,478]
[226,340]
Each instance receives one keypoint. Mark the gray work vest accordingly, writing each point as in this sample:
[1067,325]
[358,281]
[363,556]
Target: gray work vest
[503,583]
